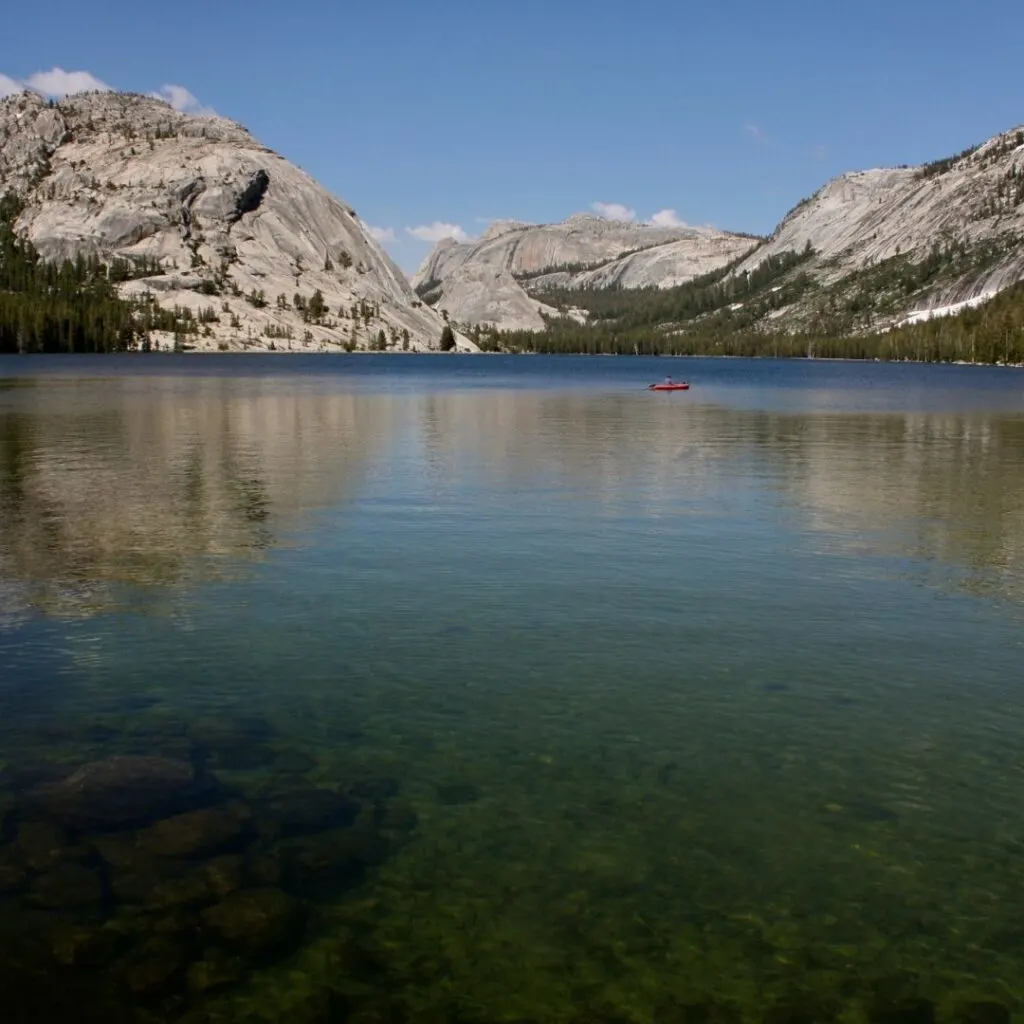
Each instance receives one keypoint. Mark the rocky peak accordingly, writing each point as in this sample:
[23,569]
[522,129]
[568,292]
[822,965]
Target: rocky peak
[241,237]
[482,281]
[501,227]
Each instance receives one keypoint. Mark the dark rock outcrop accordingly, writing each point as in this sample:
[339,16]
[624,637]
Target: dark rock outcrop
[251,196]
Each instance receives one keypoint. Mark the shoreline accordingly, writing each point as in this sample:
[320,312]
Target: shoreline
[552,355]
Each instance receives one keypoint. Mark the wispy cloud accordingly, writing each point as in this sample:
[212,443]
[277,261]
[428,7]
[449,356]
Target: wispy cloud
[380,234]
[9,87]
[58,82]
[613,211]
[437,231]
[668,219]
[819,153]
[182,100]
[755,132]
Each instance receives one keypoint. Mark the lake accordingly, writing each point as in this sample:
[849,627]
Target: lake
[500,689]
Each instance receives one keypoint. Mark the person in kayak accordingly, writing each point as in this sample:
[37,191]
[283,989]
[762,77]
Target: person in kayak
[668,380]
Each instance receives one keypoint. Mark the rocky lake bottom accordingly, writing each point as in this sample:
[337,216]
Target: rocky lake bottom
[498,694]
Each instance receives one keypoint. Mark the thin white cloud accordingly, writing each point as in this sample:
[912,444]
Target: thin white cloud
[9,87]
[58,82]
[614,211]
[437,231]
[668,219]
[755,133]
[182,100]
[380,234]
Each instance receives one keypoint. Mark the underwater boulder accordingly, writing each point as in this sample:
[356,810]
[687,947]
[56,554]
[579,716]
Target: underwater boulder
[296,812]
[294,762]
[67,887]
[216,970]
[234,744]
[13,873]
[983,1012]
[77,945]
[156,967]
[118,792]
[256,922]
[195,833]
[40,844]
[374,788]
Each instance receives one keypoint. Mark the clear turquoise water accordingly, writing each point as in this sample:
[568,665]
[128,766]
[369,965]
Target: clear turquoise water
[708,704]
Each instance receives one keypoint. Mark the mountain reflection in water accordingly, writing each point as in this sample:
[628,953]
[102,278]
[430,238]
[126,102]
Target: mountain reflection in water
[510,692]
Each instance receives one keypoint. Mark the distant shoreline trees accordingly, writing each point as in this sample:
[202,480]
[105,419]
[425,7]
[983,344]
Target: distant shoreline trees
[74,306]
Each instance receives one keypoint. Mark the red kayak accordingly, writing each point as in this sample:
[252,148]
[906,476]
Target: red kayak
[680,386]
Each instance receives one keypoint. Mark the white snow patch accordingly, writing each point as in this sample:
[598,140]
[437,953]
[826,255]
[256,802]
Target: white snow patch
[920,315]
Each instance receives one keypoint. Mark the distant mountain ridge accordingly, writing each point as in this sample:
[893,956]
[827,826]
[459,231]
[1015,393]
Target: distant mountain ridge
[481,282]
[887,246]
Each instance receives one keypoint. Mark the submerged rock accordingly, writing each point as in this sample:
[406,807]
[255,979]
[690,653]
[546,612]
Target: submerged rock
[458,793]
[398,816]
[902,1011]
[156,967]
[256,922]
[197,832]
[295,762]
[13,874]
[139,884]
[374,788]
[76,945]
[324,1005]
[118,792]
[24,775]
[264,864]
[196,887]
[303,811]
[708,1013]
[984,1012]
[313,864]
[236,744]
[216,970]
[40,844]
[67,886]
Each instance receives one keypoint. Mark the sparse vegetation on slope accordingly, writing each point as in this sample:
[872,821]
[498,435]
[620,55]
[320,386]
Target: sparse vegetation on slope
[724,314]
[857,302]
[73,306]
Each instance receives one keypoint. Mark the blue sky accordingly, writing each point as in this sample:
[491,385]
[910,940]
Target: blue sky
[437,118]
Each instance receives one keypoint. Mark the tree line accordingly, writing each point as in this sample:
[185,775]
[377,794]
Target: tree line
[990,333]
[73,305]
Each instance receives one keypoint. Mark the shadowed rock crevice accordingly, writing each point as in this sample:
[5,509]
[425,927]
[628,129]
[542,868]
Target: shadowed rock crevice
[251,196]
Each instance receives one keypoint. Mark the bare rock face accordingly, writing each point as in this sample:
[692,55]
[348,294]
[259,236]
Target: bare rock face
[126,176]
[974,202]
[482,282]
[862,218]
[488,296]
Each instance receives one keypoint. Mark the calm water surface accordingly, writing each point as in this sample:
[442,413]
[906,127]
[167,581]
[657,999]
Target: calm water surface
[699,707]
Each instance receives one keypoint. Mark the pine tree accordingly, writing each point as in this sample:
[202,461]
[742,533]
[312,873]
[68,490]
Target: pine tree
[317,306]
